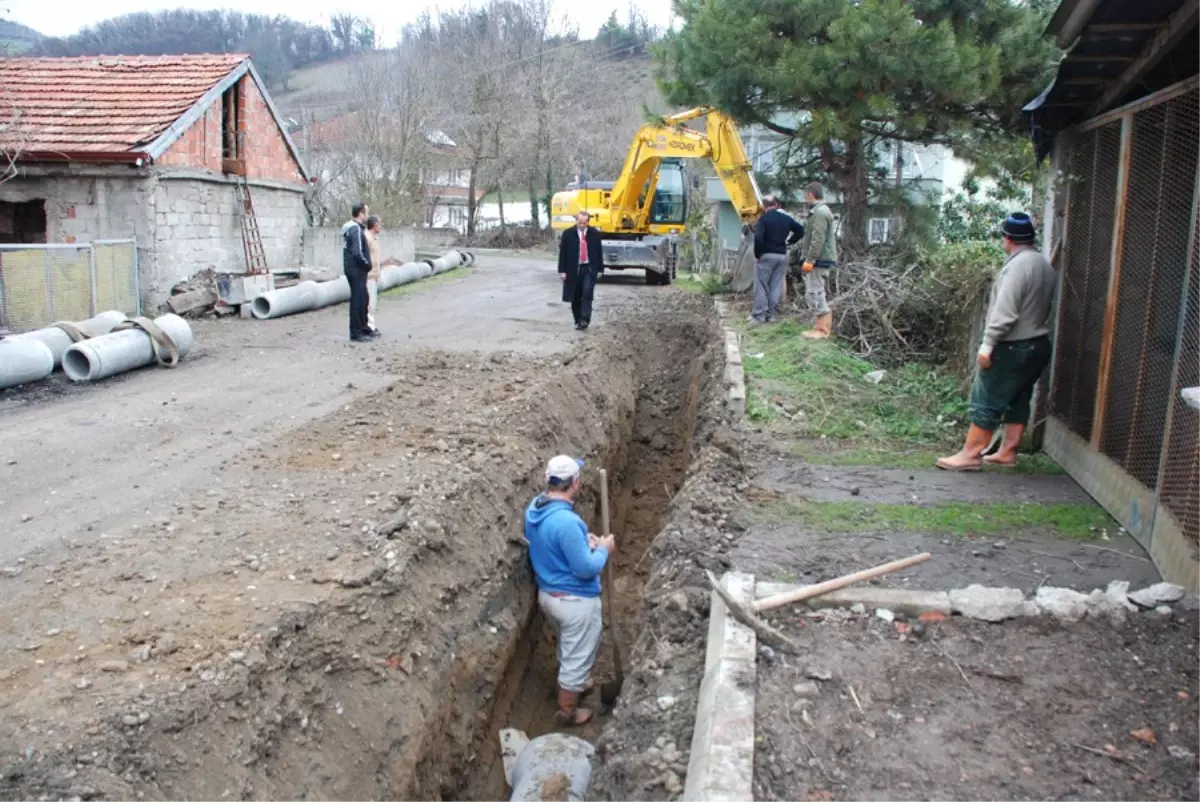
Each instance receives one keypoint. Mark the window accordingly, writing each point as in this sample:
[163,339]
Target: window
[878,230]
[23,223]
[231,139]
[764,157]
[458,216]
[670,197]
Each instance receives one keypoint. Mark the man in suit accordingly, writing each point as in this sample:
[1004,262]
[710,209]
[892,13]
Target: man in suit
[580,260]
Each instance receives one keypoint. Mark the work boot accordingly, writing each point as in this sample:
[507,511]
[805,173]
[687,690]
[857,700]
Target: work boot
[822,327]
[970,458]
[570,714]
[1007,455]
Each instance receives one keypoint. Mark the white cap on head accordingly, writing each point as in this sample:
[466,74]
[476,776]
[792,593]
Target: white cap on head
[563,468]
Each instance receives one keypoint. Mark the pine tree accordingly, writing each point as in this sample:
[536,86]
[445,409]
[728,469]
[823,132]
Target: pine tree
[954,72]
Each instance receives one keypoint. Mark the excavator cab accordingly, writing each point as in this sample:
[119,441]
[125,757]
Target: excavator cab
[670,195]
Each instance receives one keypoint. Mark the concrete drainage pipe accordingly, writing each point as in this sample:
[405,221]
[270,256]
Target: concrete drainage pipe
[539,767]
[398,275]
[119,351]
[23,361]
[287,301]
[58,339]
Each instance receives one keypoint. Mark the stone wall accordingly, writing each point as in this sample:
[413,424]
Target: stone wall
[323,246]
[82,207]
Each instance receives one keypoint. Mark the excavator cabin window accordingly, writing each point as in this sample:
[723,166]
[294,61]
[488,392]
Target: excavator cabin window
[670,196]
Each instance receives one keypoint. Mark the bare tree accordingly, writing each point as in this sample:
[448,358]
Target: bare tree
[13,141]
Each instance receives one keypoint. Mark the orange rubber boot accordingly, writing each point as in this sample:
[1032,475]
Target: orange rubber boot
[1007,455]
[968,459]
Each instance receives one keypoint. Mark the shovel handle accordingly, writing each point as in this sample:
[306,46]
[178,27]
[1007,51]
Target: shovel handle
[604,519]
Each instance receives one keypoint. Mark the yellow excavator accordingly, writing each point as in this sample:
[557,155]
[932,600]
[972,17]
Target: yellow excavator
[642,214]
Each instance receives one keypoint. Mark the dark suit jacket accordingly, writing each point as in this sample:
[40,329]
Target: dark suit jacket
[568,258]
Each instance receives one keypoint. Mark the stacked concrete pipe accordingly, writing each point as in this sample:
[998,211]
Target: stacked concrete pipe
[309,295]
[23,356]
[128,349]
[59,340]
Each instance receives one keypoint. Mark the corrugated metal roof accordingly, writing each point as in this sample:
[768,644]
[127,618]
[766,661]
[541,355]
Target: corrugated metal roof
[101,104]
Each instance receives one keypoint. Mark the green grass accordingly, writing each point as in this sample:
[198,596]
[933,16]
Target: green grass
[1080,521]
[423,284]
[822,391]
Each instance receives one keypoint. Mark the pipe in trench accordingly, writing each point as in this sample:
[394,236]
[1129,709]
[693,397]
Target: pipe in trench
[59,341]
[119,351]
[23,361]
[309,295]
[546,758]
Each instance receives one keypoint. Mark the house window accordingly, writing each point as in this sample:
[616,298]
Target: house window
[764,157]
[879,230]
[231,144]
[458,216]
[23,223]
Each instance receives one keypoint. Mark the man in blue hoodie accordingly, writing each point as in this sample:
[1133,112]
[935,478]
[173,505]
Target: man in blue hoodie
[567,561]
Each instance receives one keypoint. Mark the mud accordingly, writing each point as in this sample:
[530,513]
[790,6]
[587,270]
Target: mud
[979,711]
[352,612]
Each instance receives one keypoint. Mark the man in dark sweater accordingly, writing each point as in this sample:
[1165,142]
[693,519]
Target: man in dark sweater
[775,232]
[356,264]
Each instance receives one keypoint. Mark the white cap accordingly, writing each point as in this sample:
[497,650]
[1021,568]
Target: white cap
[563,468]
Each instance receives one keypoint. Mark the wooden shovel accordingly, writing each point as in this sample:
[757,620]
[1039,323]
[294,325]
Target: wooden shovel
[609,691]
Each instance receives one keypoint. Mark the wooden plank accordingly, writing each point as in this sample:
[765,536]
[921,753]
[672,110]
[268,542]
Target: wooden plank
[1177,26]
[1141,104]
[1114,281]
[1098,59]
[1122,27]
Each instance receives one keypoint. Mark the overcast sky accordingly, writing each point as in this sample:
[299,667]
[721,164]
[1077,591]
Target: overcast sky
[64,17]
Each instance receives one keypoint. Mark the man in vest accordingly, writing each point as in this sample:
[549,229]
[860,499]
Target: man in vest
[819,252]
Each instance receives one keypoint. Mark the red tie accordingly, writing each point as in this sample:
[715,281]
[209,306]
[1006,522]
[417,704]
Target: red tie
[583,248]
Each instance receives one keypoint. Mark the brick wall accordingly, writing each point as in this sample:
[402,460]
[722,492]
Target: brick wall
[266,152]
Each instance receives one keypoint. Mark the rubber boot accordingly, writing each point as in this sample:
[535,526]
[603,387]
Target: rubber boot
[1007,455]
[969,459]
[570,714]
[822,328]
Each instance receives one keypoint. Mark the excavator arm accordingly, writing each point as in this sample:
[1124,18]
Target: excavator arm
[721,144]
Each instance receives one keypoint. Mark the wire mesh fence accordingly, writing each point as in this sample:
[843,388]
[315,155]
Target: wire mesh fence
[1128,337]
[43,284]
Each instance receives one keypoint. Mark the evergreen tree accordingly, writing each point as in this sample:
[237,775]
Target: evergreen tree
[954,72]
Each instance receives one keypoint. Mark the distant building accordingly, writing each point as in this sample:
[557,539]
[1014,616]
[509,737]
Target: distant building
[149,147]
[927,174]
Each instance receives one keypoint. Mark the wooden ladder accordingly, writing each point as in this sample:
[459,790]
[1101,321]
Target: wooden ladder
[256,256]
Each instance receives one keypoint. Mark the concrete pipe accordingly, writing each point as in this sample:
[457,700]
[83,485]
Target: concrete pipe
[446,262]
[287,301]
[468,258]
[545,761]
[119,351]
[332,292]
[59,341]
[23,361]
[397,275]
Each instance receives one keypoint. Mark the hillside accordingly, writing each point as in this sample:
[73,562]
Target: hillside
[16,38]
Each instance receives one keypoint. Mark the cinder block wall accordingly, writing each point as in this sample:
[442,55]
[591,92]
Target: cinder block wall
[323,246]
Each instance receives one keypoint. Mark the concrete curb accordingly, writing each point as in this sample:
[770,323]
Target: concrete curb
[735,375]
[721,766]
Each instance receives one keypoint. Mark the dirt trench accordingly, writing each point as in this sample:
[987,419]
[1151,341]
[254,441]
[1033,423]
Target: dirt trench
[395,683]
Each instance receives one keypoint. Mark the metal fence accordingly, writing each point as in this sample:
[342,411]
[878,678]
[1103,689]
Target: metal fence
[43,284]
[1128,339]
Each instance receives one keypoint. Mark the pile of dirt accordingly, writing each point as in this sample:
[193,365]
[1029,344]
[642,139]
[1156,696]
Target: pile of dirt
[1031,709]
[357,590]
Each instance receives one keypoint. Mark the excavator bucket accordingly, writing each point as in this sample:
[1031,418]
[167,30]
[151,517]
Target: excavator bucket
[742,277]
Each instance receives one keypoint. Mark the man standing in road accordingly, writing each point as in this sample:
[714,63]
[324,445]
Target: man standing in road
[356,263]
[374,229]
[580,260]
[819,253]
[775,232]
[567,561]
[1015,350]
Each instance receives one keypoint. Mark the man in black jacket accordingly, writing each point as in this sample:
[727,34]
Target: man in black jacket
[356,263]
[580,260]
[775,232]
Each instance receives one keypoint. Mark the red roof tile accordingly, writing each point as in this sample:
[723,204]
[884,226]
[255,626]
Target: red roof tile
[103,104]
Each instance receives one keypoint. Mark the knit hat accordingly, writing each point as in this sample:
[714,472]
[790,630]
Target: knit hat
[1019,228]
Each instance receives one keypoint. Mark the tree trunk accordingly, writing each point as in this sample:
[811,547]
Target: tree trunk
[851,173]
[534,212]
[471,181]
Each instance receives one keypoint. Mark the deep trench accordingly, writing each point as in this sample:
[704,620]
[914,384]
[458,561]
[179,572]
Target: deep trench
[647,461]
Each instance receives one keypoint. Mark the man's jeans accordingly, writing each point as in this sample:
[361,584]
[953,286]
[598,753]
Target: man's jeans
[579,625]
[1002,393]
[814,291]
[769,273]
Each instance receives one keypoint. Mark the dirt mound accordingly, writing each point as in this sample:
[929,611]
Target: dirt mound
[519,237]
[363,598]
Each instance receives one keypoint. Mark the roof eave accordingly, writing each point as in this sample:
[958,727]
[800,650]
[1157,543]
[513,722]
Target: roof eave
[177,129]
[1069,20]
[88,156]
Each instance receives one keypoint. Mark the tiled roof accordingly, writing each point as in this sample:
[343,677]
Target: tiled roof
[102,104]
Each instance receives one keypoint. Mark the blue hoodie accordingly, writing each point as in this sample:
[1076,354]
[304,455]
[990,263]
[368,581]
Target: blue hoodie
[558,546]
